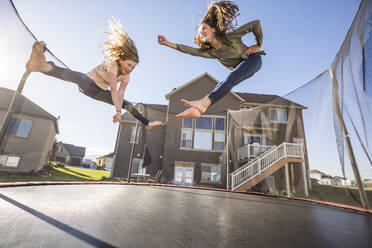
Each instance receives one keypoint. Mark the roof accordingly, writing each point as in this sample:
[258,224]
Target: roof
[157,107]
[75,150]
[205,74]
[267,99]
[110,155]
[25,106]
[249,98]
[154,107]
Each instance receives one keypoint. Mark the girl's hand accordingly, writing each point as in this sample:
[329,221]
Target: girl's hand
[252,49]
[162,40]
[117,117]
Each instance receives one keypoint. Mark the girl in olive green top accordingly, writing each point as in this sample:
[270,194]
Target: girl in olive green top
[217,42]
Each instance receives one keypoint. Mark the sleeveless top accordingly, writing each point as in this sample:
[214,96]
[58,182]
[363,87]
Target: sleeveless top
[99,75]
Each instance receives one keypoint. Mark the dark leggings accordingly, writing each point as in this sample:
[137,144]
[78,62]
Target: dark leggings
[244,70]
[90,88]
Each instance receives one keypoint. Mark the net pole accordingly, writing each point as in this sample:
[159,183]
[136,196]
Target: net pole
[9,113]
[227,152]
[358,179]
[132,152]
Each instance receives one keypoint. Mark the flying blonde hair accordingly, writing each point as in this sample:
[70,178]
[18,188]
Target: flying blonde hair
[220,15]
[118,45]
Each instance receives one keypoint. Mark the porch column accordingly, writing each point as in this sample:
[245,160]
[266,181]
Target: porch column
[287,180]
[304,178]
[292,180]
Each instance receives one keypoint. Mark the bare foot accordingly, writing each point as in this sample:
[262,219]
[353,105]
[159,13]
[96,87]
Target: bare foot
[37,61]
[200,105]
[189,113]
[153,124]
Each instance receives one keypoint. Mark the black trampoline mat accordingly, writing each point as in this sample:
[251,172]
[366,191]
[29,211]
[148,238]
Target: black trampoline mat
[151,216]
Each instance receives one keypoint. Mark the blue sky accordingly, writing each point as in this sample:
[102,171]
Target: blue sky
[301,39]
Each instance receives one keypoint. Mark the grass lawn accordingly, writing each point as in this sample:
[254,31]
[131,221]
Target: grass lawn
[59,174]
[340,195]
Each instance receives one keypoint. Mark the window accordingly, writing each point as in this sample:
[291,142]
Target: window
[204,133]
[299,141]
[204,123]
[137,166]
[10,159]
[220,124]
[203,140]
[246,107]
[133,133]
[278,115]
[19,127]
[187,123]
[211,173]
[219,141]
[60,148]
[186,139]
[251,139]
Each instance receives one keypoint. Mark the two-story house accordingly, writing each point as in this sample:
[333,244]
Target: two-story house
[29,137]
[195,151]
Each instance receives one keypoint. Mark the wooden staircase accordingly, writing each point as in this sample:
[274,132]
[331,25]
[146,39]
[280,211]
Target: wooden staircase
[265,165]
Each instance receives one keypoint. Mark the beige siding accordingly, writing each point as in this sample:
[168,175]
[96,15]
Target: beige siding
[33,148]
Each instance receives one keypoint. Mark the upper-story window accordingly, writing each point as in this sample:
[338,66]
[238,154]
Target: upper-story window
[246,107]
[19,127]
[135,132]
[204,133]
[278,115]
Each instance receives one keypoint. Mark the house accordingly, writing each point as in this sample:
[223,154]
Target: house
[29,137]
[316,176]
[326,180]
[194,151]
[342,181]
[105,162]
[70,154]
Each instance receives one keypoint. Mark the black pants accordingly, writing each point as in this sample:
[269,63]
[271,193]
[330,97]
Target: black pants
[90,88]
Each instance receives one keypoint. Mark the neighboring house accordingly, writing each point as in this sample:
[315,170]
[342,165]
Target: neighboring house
[316,175]
[326,180]
[105,162]
[193,151]
[29,138]
[341,181]
[70,154]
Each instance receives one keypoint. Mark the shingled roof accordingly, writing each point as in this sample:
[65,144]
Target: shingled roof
[75,150]
[25,106]
[257,99]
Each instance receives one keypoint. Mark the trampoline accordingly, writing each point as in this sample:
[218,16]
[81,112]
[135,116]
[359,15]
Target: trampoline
[94,215]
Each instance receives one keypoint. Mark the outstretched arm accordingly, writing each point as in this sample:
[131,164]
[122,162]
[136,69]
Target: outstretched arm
[163,41]
[182,48]
[113,79]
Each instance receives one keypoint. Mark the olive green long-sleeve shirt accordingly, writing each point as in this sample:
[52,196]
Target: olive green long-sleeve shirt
[230,55]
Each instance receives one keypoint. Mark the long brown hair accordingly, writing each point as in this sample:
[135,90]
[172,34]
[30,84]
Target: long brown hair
[118,45]
[221,16]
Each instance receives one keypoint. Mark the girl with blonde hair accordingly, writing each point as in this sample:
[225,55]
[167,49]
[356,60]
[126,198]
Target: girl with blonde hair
[121,57]
[217,40]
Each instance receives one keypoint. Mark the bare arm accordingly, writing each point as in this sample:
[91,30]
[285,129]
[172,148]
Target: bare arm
[123,86]
[113,79]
